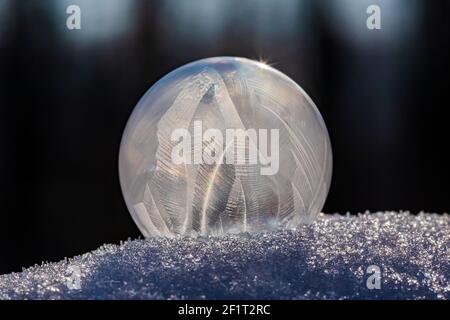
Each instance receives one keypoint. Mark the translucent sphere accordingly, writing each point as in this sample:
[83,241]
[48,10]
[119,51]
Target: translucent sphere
[224,145]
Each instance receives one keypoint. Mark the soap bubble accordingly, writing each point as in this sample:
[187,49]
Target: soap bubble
[224,145]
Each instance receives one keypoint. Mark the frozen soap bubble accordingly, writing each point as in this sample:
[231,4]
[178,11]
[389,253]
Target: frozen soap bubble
[224,145]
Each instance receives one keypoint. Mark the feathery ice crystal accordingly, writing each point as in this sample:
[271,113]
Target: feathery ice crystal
[224,145]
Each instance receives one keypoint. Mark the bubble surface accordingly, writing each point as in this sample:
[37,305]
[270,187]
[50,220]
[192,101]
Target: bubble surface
[224,145]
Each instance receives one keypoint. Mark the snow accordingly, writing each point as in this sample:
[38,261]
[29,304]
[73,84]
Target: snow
[325,260]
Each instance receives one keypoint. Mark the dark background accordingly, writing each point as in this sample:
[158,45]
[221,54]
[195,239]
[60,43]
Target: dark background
[65,97]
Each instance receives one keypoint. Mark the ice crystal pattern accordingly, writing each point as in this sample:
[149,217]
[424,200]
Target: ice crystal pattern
[167,199]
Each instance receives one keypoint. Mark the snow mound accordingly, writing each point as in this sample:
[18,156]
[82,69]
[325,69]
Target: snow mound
[325,260]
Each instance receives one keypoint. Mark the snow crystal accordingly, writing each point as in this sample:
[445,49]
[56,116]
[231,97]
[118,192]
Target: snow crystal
[326,260]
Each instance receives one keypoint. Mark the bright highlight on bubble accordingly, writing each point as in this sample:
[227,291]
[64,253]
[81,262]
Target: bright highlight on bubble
[224,145]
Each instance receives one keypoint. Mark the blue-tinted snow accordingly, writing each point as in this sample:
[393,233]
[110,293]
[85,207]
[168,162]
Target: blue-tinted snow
[326,260]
